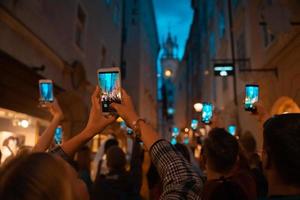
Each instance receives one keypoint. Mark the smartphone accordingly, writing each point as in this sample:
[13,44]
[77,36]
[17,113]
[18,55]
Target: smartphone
[173,140]
[207,113]
[46,90]
[129,131]
[109,80]
[251,97]
[231,129]
[194,124]
[58,135]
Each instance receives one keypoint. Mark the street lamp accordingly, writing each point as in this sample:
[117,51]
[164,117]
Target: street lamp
[198,107]
[168,73]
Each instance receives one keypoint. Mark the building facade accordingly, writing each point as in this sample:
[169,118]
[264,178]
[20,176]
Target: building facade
[141,47]
[67,41]
[263,47]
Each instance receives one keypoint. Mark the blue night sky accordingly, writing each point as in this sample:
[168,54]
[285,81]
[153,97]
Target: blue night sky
[174,16]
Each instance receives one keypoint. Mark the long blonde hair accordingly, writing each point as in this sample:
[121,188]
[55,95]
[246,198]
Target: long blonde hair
[34,176]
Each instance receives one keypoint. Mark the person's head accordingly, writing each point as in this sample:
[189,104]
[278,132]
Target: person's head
[37,176]
[109,143]
[116,159]
[248,142]
[183,150]
[220,151]
[281,148]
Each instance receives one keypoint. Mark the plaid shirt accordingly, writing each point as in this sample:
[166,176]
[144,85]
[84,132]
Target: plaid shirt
[179,180]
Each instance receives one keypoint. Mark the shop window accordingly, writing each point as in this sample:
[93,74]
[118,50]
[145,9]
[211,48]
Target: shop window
[18,130]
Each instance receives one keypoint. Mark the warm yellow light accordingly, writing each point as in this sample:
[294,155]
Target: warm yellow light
[168,73]
[120,120]
[24,123]
[186,130]
[198,107]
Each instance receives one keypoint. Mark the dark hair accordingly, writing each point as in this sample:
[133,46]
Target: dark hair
[109,143]
[221,150]
[34,176]
[116,159]
[183,150]
[248,141]
[282,144]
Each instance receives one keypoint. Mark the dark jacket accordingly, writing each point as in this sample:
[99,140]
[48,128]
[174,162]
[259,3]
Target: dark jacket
[121,185]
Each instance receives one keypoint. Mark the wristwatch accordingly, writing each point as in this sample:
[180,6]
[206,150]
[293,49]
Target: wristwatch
[136,127]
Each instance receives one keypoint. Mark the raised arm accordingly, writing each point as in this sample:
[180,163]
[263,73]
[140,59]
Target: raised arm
[179,179]
[46,138]
[97,123]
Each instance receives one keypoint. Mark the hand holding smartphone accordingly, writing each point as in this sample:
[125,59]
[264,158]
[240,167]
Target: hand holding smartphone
[207,113]
[251,97]
[46,91]
[109,80]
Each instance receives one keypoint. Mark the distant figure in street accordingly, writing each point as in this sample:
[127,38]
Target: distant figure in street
[120,184]
[254,164]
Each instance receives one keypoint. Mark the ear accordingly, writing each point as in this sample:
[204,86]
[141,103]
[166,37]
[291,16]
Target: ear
[266,160]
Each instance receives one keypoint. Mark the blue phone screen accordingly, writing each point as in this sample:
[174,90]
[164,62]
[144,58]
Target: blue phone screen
[231,129]
[110,84]
[194,124]
[207,113]
[58,135]
[46,91]
[251,97]
[173,141]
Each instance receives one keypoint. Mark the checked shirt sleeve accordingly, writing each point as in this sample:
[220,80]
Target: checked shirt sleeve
[179,180]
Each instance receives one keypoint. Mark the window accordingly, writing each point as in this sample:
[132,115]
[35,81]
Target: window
[80,27]
[212,44]
[116,14]
[241,50]
[221,25]
[268,36]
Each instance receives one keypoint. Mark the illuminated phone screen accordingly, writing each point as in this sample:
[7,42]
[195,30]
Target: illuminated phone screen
[194,124]
[231,129]
[251,97]
[207,113]
[46,91]
[58,135]
[110,84]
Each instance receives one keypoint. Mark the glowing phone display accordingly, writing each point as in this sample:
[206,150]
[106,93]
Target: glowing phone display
[207,113]
[251,97]
[231,129]
[110,83]
[194,124]
[46,90]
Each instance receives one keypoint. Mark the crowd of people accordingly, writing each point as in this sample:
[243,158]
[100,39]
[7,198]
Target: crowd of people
[229,167]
